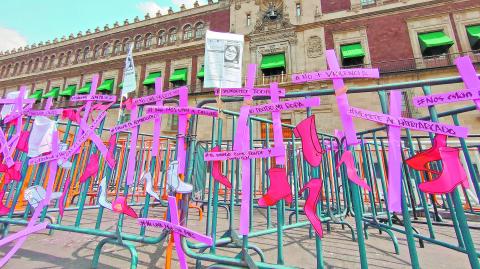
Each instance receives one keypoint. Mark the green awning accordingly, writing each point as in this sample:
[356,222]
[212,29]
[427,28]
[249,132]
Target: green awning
[433,40]
[179,75]
[85,89]
[37,95]
[120,86]
[273,61]
[352,51]
[52,93]
[201,73]
[150,79]
[474,35]
[69,91]
[107,85]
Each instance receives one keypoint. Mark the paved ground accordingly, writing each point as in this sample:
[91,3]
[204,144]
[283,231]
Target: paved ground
[69,250]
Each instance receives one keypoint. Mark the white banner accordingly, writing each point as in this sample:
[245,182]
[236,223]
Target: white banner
[129,80]
[223,60]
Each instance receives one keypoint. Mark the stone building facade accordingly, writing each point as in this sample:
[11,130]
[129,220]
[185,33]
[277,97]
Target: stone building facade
[282,37]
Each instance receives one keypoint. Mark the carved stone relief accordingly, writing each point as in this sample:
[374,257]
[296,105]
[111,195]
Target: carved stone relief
[314,47]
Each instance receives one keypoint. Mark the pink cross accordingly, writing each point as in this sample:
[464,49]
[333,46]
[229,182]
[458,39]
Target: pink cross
[85,131]
[337,75]
[178,230]
[8,148]
[134,122]
[182,111]
[469,75]
[396,123]
[242,148]
[32,226]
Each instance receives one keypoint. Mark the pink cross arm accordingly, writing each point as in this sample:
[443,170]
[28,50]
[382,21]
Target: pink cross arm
[394,156]
[336,74]
[88,107]
[94,97]
[253,92]
[342,101]
[181,110]
[447,98]
[469,75]
[244,155]
[159,95]
[276,107]
[407,123]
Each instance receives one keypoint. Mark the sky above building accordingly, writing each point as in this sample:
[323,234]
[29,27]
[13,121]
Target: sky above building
[25,22]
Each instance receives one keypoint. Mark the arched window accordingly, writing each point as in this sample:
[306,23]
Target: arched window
[148,40]
[44,63]
[68,59]
[60,59]
[116,47]
[106,50]
[199,30]
[22,66]
[37,63]
[8,70]
[137,45]
[172,35]
[3,71]
[162,38]
[52,62]
[29,66]
[15,69]
[126,45]
[187,32]
[77,56]
[96,52]
[86,53]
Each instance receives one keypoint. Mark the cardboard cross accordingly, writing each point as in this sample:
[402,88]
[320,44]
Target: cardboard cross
[32,226]
[7,148]
[337,75]
[242,137]
[134,122]
[470,79]
[85,131]
[396,123]
[182,111]
[177,230]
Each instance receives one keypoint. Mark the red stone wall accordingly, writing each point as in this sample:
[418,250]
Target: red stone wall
[388,34]
[329,6]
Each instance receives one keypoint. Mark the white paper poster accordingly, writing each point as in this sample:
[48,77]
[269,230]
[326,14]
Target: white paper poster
[129,80]
[223,60]
[7,109]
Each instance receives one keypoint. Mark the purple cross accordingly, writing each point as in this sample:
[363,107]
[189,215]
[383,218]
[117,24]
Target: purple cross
[337,75]
[469,75]
[85,131]
[182,111]
[7,148]
[32,226]
[242,148]
[396,123]
[177,230]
